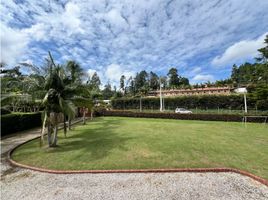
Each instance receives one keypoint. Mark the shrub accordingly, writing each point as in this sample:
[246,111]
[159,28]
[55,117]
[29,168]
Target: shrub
[189,102]
[4,111]
[262,104]
[99,111]
[205,117]
[12,123]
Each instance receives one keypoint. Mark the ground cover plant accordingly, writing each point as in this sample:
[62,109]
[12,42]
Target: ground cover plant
[138,143]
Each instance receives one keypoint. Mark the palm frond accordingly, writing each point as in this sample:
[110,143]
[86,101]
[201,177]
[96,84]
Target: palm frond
[82,102]
[67,107]
[45,99]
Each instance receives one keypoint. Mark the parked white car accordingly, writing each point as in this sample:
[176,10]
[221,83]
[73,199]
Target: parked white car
[182,111]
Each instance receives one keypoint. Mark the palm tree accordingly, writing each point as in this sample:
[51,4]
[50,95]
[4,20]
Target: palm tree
[55,103]
[75,72]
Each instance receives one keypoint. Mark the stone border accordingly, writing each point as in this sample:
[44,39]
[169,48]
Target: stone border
[193,170]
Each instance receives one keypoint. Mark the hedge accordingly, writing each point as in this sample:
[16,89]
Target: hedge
[4,111]
[205,117]
[235,102]
[12,123]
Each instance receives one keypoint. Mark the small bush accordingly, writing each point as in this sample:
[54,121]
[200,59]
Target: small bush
[12,123]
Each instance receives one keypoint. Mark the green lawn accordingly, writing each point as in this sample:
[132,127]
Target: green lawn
[136,143]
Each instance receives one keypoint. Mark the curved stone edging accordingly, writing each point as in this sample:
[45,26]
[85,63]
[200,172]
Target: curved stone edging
[193,170]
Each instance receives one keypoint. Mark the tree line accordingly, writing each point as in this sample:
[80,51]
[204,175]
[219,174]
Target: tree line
[138,85]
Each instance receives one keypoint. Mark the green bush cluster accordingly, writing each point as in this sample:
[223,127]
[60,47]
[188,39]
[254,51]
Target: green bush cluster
[12,123]
[204,117]
[190,102]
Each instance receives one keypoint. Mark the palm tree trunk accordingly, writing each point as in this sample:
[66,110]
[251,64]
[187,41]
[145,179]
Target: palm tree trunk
[69,123]
[49,129]
[64,125]
[55,135]
[43,129]
[91,114]
[140,105]
[84,116]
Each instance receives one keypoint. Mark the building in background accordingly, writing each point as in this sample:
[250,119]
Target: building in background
[193,91]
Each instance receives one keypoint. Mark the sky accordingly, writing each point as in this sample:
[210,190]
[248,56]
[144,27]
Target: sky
[201,38]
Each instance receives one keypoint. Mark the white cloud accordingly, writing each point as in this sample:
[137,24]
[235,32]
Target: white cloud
[38,32]
[190,72]
[114,72]
[90,72]
[240,51]
[115,18]
[28,62]
[196,70]
[71,18]
[203,78]
[137,35]
[13,44]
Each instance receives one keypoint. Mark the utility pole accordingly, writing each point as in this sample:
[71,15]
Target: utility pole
[140,105]
[161,101]
[245,102]
[163,104]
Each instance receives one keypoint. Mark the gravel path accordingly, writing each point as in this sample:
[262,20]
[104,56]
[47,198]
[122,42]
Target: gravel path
[17,183]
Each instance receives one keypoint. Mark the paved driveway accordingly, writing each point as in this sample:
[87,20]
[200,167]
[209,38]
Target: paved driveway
[17,183]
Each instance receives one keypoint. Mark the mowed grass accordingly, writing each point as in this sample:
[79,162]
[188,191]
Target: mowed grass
[137,143]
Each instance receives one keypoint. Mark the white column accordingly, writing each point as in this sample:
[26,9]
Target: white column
[245,101]
[161,102]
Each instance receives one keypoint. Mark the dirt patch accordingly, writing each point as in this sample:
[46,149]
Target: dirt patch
[9,171]
[23,175]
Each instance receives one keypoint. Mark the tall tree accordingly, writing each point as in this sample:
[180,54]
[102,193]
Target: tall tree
[131,87]
[234,74]
[107,92]
[264,60]
[184,81]
[173,76]
[75,71]
[122,83]
[94,82]
[153,81]
[141,81]
[164,82]
[263,52]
